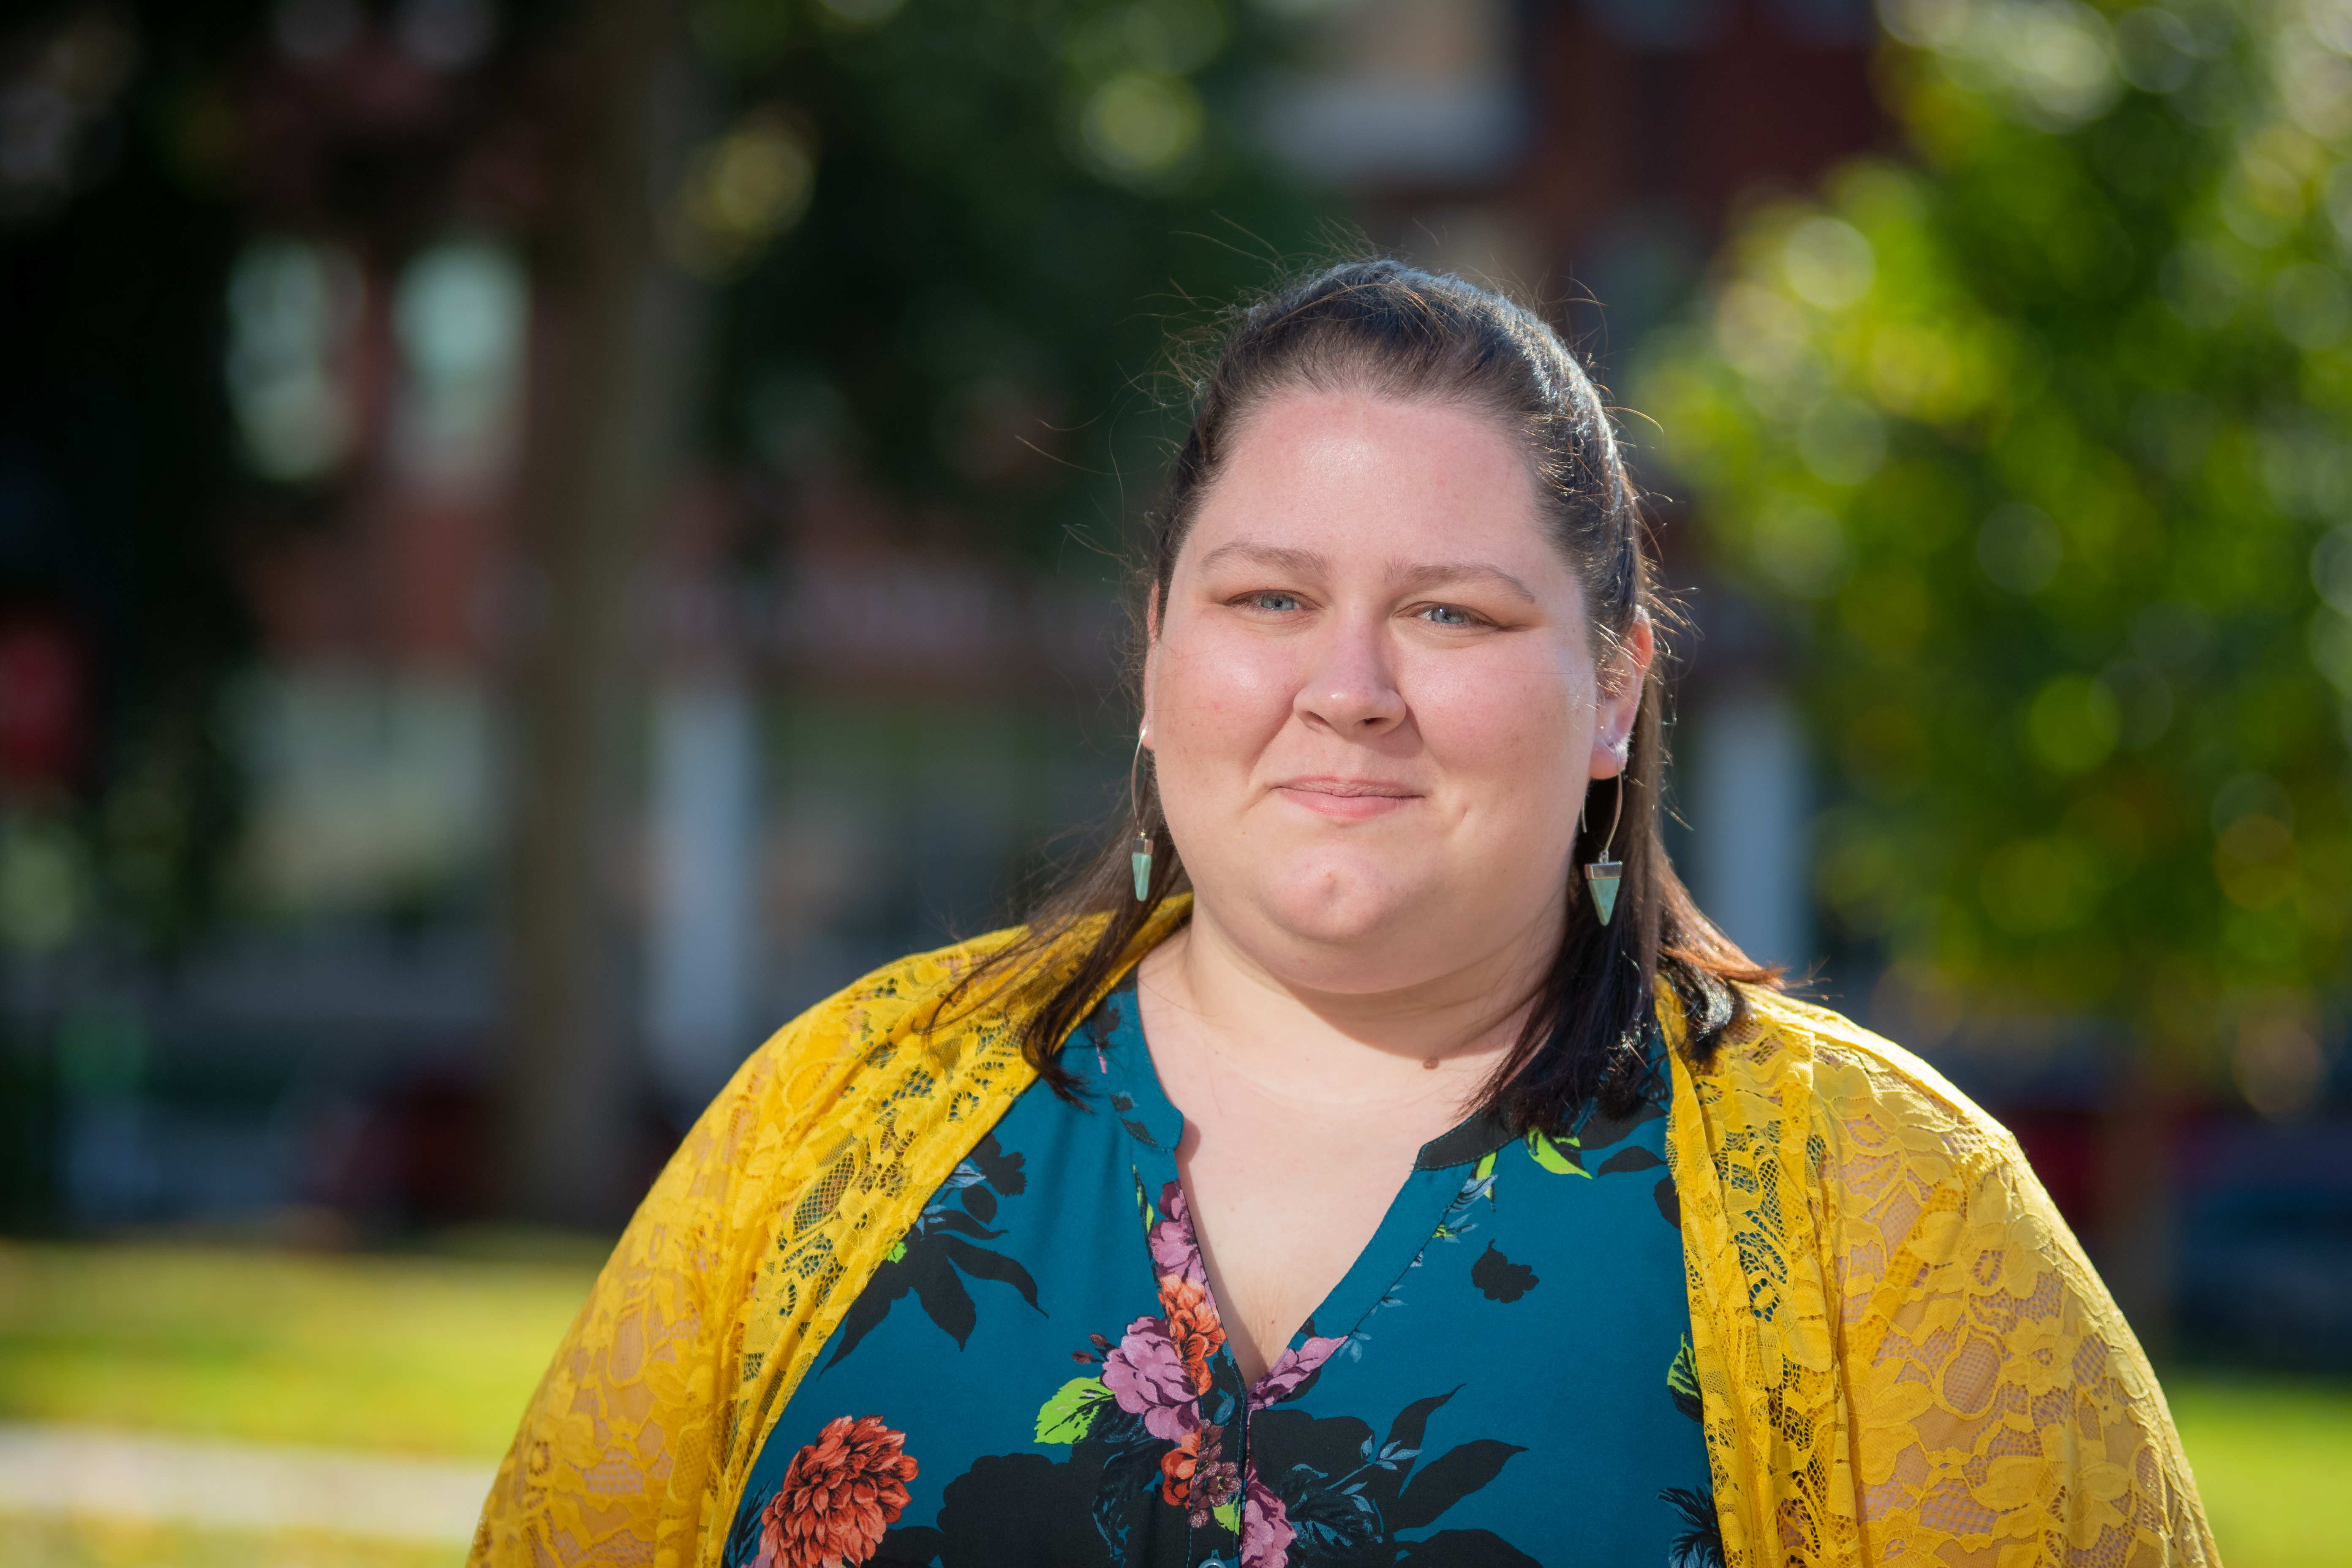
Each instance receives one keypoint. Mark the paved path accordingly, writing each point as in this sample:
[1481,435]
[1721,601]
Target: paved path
[237,1486]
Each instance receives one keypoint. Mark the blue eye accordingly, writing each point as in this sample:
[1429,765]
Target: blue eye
[1447,615]
[1273,601]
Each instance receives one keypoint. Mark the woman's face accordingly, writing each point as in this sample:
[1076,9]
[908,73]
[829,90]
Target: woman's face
[1372,696]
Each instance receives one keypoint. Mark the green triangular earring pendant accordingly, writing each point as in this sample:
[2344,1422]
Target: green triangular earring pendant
[1602,875]
[1140,852]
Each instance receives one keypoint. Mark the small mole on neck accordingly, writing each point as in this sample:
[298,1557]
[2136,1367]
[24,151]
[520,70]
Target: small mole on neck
[1428,1064]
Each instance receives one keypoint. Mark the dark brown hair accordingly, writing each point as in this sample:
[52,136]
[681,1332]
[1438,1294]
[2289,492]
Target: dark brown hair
[1386,329]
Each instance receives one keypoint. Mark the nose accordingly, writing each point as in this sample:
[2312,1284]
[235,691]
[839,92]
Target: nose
[1351,689]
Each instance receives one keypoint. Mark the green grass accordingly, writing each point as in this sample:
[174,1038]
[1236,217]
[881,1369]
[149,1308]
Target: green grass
[121,1543]
[2273,1462]
[423,1355]
[435,1355]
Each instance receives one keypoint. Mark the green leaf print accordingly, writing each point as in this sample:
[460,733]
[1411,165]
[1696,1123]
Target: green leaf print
[1229,1514]
[1070,1414]
[896,1254]
[1682,1382]
[1547,1154]
[1485,1166]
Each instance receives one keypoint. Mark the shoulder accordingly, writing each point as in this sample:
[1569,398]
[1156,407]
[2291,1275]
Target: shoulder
[1861,1091]
[942,993]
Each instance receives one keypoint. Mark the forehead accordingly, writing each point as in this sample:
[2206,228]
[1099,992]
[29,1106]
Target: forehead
[1359,477]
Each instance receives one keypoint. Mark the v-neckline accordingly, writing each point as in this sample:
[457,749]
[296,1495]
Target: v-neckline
[1136,1095]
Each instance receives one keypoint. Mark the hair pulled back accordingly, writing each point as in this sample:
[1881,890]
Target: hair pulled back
[1388,329]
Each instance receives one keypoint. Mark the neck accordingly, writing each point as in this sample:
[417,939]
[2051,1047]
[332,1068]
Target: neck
[1206,990]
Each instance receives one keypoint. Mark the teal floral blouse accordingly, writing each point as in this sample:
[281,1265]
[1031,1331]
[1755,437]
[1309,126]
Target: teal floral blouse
[1038,1374]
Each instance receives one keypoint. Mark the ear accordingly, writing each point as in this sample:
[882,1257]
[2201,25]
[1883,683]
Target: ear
[1620,679]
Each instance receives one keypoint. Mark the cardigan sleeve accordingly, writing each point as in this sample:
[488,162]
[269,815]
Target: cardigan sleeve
[2000,1411]
[616,1448]
[759,1234]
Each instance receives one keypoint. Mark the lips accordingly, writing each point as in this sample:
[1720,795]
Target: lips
[1350,787]
[1347,800]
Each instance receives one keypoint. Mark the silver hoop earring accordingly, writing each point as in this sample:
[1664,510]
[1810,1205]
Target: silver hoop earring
[1140,852]
[1602,875]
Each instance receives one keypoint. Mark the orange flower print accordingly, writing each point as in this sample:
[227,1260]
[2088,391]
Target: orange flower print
[1192,1325]
[1196,1476]
[838,1496]
[1176,1468]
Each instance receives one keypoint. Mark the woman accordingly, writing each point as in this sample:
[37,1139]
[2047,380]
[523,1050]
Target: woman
[1377,1157]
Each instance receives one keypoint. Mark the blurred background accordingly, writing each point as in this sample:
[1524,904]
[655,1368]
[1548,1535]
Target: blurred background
[539,538]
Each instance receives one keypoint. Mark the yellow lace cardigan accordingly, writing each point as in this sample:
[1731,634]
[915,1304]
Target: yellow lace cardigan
[1902,1356]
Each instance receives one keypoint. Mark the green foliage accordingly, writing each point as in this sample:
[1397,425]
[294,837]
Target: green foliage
[1547,1152]
[1070,1415]
[1006,206]
[2038,446]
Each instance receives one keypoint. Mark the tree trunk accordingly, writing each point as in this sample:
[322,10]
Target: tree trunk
[618,328]
[2133,1245]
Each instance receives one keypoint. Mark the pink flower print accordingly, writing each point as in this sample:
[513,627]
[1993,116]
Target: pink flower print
[1288,1375]
[1266,1533]
[1174,1248]
[1147,1374]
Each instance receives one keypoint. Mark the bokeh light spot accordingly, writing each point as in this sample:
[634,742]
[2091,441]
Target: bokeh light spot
[1140,126]
[2072,724]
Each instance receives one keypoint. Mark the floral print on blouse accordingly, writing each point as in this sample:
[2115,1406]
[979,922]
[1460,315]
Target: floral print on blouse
[1502,1378]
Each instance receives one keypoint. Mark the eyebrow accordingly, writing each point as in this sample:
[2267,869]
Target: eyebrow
[1431,575]
[1273,555]
[1405,578]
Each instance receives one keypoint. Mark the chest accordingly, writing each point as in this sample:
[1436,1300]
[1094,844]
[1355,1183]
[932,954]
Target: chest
[1282,1206]
[1041,1374]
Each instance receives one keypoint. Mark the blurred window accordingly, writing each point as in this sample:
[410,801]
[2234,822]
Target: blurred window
[459,315]
[294,311]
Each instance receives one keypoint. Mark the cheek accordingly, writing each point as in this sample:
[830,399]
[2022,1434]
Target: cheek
[1220,695]
[1522,722]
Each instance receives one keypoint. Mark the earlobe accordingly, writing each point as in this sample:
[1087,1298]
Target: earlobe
[1619,708]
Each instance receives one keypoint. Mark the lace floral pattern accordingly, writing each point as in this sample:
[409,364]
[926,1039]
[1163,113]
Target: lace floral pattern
[800,1177]
[1901,1355]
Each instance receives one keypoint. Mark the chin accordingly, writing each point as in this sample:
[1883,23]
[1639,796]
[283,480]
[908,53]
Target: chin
[1343,918]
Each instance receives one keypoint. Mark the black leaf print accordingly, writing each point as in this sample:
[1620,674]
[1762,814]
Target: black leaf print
[1123,1103]
[1448,1478]
[1465,1549]
[941,1292]
[1670,1202]
[1129,1485]
[1405,1431]
[1002,1170]
[1016,1507]
[1630,1160]
[891,1282]
[962,1224]
[980,1202]
[1332,1525]
[982,1264]
[1600,1130]
[743,1540]
[916,1547]
[1500,1280]
[1700,1544]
